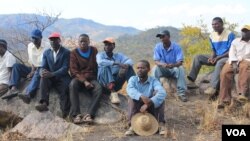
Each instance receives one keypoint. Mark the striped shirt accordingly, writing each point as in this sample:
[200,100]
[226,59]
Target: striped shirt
[221,43]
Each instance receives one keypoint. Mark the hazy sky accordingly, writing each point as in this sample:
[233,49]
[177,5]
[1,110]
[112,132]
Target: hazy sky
[141,14]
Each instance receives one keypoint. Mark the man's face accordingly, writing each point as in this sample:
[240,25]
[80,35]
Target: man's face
[217,26]
[55,43]
[2,50]
[83,43]
[36,41]
[108,47]
[142,70]
[246,34]
[165,39]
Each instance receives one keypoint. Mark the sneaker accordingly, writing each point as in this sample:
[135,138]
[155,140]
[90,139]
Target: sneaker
[162,129]
[129,132]
[114,98]
[242,98]
[191,84]
[42,107]
[183,98]
[25,98]
[210,91]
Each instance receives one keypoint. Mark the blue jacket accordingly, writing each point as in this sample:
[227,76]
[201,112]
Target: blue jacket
[61,66]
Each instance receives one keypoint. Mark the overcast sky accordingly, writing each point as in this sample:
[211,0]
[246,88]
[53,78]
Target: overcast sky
[141,14]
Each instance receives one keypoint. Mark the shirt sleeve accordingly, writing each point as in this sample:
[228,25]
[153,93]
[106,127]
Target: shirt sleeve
[160,95]
[30,53]
[11,60]
[232,53]
[157,55]
[231,37]
[102,61]
[133,93]
[125,60]
[179,55]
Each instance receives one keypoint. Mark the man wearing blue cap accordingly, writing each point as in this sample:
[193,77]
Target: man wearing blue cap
[7,60]
[168,57]
[35,52]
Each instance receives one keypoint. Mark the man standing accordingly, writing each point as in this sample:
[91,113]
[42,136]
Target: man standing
[35,52]
[220,40]
[239,62]
[113,69]
[54,72]
[7,60]
[168,57]
[145,94]
[83,68]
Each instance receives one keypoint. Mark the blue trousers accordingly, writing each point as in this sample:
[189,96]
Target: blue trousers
[21,71]
[106,75]
[178,73]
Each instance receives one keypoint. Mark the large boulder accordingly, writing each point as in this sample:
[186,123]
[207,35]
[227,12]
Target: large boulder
[106,114]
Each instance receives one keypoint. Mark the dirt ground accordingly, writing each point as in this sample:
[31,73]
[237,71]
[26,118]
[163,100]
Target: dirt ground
[196,120]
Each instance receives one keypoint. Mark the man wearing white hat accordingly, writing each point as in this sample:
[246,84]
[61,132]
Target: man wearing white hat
[146,94]
[238,62]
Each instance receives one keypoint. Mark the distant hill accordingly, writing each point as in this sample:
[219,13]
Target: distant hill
[69,27]
[141,46]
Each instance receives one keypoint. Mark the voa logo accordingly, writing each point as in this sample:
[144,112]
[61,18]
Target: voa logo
[236,132]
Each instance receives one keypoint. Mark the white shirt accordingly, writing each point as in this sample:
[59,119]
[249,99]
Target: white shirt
[55,54]
[6,61]
[239,50]
[36,54]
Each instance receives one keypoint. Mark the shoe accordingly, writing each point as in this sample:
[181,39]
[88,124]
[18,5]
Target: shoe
[114,98]
[10,94]
[183,98]
[242,98]
[191,84]
[42,107]
[130,132]
[162,129]
[223,104]
[25,98]
[210,91]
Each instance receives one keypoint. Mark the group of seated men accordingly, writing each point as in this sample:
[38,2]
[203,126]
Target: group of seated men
[85,70]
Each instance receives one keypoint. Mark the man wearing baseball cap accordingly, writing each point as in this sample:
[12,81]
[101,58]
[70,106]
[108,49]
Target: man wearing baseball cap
[238,62]
[31,72]
[7,60]
[168,57]
[54,73]
[113,69]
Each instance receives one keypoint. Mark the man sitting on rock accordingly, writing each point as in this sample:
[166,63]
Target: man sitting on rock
[113,69]
[145,94]
[54,73]
[238,62]
[83,68]
[7,60]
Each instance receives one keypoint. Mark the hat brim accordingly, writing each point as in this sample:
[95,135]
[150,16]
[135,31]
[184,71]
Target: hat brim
[159,35]
[138,130]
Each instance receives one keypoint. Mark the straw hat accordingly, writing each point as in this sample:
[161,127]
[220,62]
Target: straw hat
[144,124]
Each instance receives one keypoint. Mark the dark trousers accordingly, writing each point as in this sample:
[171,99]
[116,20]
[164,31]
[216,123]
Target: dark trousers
[61,85]
[135,105]
[74,88]
[21,71]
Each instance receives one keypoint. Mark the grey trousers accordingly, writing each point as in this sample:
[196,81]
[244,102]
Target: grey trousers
[201,60]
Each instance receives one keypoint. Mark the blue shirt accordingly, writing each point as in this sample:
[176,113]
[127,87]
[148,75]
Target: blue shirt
[136,89]
[84,54]
[221,43]
[172,55]
[103,60]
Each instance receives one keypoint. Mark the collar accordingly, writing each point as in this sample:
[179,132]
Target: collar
[147,81]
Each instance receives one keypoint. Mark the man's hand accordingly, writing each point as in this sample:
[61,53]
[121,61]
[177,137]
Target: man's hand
[46,74]
[145,100]
[144,108]
[88,85]
[30,75]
